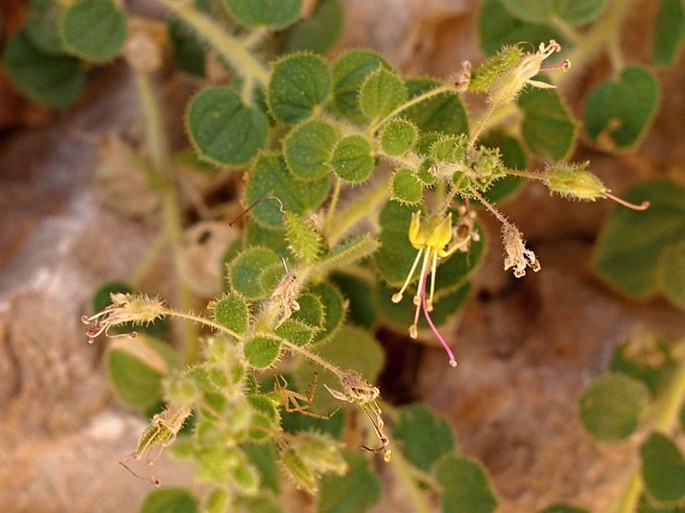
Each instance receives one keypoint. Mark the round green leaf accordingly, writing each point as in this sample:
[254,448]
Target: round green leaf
[54,80]
[307,149]
[465,485]
[611,406]
[319,32]
[424,435]
[663,469]
[631,244]
[232,311]
[406,187]
[362,307]
[296,332]
[311,310]
[352,160]
[647,359]
[270,178]
[274,14]
[622,110]
[398,137]
[42,26]
[333,307]
[442,113]
[669,32]
[381,93]
[262,351]
[187,51]
[170,500]
[575,12]
[136,369]
[94,30]
[355,492]
[299,83]
[349,72]
[246,271]
[222,129]
[672,273]
[548,128]
[497,28]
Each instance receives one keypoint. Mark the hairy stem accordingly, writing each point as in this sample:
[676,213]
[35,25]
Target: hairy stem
[357,210]
[158,151]
[404,472]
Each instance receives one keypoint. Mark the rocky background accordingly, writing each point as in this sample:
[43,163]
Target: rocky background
[526,347]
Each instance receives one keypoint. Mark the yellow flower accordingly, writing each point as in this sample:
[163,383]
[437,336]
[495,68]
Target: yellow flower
[434,241]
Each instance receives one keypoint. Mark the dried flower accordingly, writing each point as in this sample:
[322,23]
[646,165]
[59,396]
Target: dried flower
[136,309]
[516,255]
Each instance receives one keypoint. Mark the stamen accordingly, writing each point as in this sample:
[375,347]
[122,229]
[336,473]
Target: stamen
[564,66]
[453,361]
[422,277]
[397,297]
[434,268]
[642,206]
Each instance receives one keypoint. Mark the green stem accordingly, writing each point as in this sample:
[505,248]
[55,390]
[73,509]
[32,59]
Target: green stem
[313,357]
[357,210]
[666,417]
[158,151]
[333,204]
[198,319]
[403,471]
[235,51]
[149,258]
[604,32]
[417,99]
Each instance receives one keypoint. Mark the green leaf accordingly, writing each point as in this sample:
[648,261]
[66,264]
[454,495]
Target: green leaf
[262,352]
[333,307]
[136,369]
[548,128]
[398,136]
[298,470]
[381,93]
[497,28]
[442,113]
[672,274]
[352,160]
[406,187]
[645,506]
[263,457]
[349,73]
[647,359]
[575,12]
[611,406]
[42,26]
[258,235]
[348,252]
[296,331]
[425,436]
[305,241]
[307,149]
[621,111]
[311,310]
[52,80]
[669,32]
[563,508]
[273,14]
[222,129]
[232,311]
[465,486]
[170,500]
[299,82]
[363,310]
[270,178]
[246,272]
[94,30]
[632,244]
[319,32]
[356,492]
[186,49]
[663,469]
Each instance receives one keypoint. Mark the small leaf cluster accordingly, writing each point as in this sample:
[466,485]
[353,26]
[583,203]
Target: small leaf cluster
[644,389]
